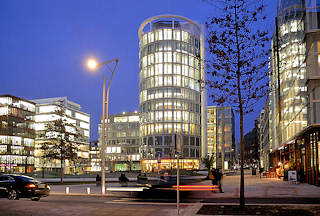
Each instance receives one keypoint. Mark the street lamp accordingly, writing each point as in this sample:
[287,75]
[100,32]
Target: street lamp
[92,64]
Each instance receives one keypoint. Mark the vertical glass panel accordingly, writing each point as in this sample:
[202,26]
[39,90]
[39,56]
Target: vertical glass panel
[160,32]
[144,39]
[184,36]
[185,131]
[158,69]
[184,59]
[150,59]
[176,80]
[185,70]
[192,130]
[151,37]
[158,57]
[176,57]
[151,70]
[168,57]
[177,35]
[177,128]
[167,34]
[185,116]
[177,69]
[167,68]
[191,61]
[170,128]
[158,81]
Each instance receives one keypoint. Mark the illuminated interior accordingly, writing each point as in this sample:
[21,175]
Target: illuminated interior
[170,90]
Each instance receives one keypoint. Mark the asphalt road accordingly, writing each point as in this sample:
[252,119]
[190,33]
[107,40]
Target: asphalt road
[78,206]
[127,206]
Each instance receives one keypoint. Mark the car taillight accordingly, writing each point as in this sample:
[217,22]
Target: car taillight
[31,186]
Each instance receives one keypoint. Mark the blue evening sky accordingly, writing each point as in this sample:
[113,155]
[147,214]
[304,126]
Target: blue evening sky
[44,45]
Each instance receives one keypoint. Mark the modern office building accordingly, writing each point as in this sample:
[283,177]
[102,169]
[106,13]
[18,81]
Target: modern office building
[294,99]
[221,136]
[263,133]
[123,142]
[16,135]
[288,89]
[172,102]
[94,157]
[46,113]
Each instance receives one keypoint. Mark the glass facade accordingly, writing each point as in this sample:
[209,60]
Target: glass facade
[171,98]
[221,136]
[313,60]
[17,134]
[123,142]
[288,95]
[45,113]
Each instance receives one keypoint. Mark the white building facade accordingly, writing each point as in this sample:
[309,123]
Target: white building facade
[45,113]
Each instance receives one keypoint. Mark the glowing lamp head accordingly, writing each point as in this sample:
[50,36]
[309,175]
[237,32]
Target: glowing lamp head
[92,64]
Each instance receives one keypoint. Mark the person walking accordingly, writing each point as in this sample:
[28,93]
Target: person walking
[218,178]
[98,180]
[123,180]
[213,179]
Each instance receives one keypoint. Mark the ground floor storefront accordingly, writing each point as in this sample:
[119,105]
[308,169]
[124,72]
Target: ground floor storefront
[150,165]
[300,154]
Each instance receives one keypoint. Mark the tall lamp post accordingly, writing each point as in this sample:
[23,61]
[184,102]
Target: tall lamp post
[105,115]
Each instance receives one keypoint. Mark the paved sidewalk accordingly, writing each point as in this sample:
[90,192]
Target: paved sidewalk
[255,187]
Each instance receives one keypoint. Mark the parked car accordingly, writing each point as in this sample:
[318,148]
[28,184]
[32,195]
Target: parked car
[20,186]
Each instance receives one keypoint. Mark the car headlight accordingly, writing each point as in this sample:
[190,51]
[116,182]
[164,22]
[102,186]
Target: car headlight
[48,187]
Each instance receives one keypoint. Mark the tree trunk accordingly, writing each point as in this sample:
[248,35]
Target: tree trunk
[242,203]
[61,171]
[42,172]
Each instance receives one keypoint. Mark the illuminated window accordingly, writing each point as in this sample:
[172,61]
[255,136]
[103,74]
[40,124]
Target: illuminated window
[177,69]
[176,35]
[167,57]
[167,68]
[158,57]
[47,109]
[184,36]
[176,57]
[167,34]
[158,69]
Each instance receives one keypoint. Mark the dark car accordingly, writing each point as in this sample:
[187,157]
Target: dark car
[7,187]
[21,186]
[163,188]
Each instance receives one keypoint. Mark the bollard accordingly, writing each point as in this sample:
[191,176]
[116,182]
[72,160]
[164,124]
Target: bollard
[67,190]
[88,190]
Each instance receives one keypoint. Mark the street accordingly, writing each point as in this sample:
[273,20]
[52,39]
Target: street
[266,191]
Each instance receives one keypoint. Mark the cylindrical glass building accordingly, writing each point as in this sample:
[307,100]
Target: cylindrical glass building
[288,97]
[172,102]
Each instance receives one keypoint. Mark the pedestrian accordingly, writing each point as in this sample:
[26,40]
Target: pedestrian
[261,171]
[98,180]
[212,176]
[218,177]
[123,180]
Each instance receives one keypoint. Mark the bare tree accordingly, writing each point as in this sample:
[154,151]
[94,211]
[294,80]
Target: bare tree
[60,140]
[238,60]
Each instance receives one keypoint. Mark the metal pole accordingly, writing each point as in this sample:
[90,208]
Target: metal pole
[103,162]
[105,116]
[178,184]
